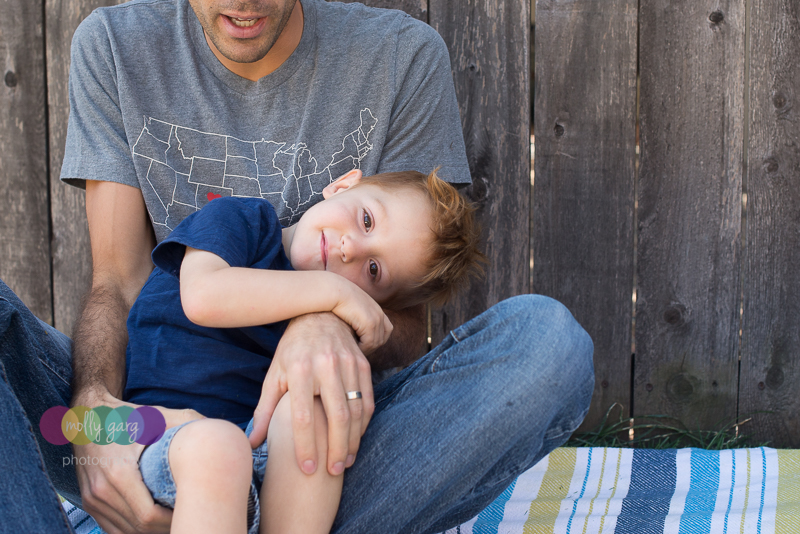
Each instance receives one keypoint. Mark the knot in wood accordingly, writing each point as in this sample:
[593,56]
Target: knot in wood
[779,100]
[648,387]
[680,387]
[775,377]
[674,315]
[716,17]
[604,383]
[771,165]
[10,79]
[472,66]
[761,386]
[559,130]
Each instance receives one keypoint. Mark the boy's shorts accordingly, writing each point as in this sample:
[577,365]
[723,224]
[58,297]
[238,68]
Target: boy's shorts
[157,475]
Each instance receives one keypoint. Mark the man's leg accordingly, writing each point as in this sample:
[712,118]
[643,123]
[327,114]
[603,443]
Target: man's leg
[34,376]
[453,430]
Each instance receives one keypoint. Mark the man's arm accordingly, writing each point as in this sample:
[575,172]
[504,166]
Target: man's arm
[122,239]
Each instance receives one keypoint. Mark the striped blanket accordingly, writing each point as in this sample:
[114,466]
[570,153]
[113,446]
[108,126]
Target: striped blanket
[627,491]
[632,491]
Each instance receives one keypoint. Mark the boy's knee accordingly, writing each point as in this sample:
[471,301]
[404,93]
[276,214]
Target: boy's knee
[215,444]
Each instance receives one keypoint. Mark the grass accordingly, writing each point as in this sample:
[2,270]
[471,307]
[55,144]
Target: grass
[660,432]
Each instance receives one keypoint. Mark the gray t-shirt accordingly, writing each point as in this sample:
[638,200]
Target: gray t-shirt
[152,107]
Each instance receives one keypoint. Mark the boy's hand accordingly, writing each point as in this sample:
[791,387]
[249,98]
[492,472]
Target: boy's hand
[364,315]
[112,489]
[317,355]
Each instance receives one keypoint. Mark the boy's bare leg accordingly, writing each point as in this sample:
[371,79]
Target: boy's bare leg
[291,501]
[212,464]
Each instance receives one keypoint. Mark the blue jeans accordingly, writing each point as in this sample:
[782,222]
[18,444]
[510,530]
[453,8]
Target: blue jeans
[449,433]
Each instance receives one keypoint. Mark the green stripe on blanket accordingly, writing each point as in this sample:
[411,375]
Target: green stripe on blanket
[633,491]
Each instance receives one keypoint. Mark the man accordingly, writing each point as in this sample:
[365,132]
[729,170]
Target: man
[176,102]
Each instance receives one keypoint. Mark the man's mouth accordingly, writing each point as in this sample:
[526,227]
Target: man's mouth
[243,23]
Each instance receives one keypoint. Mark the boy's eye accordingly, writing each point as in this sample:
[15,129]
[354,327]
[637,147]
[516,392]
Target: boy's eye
[367,221]
[373,269]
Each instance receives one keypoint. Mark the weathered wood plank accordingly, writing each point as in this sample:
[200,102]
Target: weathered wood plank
[692,109]
[416,8]
[770,372]
[488,42]
[24,216]
[585,113]
[71,253]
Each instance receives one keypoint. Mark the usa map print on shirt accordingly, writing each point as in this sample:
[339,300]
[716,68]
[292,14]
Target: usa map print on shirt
[186,168]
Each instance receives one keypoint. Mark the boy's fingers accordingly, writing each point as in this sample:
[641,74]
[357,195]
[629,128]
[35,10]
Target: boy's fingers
[387,328]
[367,395]
[301,395]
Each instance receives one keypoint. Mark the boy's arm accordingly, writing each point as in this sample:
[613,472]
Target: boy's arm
[214,294]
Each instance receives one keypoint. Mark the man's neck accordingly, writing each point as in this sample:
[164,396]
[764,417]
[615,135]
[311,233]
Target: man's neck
[277,55]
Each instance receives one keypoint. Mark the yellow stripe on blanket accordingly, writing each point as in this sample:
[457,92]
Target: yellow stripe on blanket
[787,520]
[555,487]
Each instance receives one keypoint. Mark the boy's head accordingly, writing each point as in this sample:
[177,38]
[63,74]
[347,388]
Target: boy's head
[403,237]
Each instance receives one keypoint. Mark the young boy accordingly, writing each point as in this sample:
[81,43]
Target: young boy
[203,330]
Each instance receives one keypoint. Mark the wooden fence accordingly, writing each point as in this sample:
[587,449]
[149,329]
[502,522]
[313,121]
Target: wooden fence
[655,120]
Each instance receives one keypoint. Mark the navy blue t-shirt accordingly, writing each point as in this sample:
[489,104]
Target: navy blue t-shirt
[175,363]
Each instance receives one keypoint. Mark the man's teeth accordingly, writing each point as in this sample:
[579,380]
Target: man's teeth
[243,23]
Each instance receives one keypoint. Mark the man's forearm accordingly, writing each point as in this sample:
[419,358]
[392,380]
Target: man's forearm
[99,345]
[408,340]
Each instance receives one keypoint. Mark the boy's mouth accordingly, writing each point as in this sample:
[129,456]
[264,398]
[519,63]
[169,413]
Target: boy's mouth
[323,245]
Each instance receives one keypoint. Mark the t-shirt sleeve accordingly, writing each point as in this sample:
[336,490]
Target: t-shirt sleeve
[425,129]
[97,147]
[242,231]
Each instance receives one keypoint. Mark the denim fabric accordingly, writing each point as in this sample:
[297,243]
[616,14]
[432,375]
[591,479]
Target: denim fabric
[259,458]
[449,433]
[454,429]
[35,373]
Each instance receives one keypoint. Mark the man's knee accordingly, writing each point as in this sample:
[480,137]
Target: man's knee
[551,348]
[541,319]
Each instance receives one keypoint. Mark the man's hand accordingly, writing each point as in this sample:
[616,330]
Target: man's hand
[318,356]
[112,489]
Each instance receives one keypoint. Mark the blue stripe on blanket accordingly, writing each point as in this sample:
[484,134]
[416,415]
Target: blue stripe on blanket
[702,496]
[652,485]
[489,520]
[763,489]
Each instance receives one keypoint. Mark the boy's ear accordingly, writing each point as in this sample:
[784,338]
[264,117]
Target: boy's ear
[342,183]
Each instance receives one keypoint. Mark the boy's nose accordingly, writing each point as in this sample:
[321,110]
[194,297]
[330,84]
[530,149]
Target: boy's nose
[351,249]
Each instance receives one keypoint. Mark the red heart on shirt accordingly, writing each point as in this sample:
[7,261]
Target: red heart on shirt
[211,196]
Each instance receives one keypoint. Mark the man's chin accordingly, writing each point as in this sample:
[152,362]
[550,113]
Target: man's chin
[244,54]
